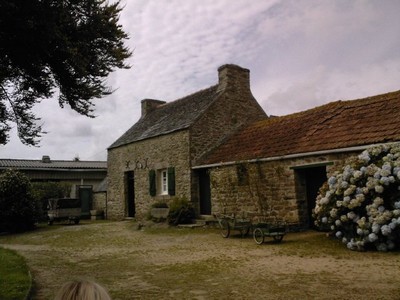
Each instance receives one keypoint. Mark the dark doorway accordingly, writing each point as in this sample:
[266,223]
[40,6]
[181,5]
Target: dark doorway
[85,195]
[205,192]
[314,179]
[130,193]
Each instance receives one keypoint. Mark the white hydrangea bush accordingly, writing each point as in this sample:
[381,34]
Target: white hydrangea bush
[361,203]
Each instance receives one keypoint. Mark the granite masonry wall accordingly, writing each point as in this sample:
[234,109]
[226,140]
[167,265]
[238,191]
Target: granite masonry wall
[275,189]
[234,107]
[158,153]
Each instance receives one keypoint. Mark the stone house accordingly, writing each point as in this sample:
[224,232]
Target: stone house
[82,176]
[279,164]
[218,149]
[153,161]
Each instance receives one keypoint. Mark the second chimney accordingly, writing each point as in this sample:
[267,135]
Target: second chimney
[148,105]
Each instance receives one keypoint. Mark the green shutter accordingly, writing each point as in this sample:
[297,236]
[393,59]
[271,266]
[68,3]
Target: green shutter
[171,181]
[152,183]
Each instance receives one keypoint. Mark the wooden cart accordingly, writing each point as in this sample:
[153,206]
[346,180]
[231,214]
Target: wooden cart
[274,229]
[231,222]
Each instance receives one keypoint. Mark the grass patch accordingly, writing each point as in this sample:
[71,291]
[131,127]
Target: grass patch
[15,279]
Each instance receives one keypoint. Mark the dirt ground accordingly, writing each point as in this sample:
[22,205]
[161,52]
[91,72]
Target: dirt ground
[169,263]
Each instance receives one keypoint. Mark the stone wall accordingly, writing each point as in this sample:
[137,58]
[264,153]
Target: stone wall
[274,188]
[234,107]
[170,150]
[99,201]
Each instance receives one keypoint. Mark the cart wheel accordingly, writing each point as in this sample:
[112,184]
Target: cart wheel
[225,230]
[278,238]
[258,236]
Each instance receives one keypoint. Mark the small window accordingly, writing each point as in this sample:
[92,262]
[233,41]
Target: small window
[164,182]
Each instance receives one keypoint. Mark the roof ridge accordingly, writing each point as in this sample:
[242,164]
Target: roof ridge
[169,117]
[187,96]
[340,103]
[334,125]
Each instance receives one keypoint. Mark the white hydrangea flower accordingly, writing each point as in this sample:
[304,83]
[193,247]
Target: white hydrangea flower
[357,174]
[344,184]
[384,180]
[378,201]
[385,229]
[376,228]
[372,237]
[351,215]
[324,201]
[332,180]
[364,156]
[379,189]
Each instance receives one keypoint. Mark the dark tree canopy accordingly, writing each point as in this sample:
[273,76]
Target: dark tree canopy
[49,45]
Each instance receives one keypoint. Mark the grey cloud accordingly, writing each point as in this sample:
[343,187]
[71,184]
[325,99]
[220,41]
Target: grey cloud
[300,53]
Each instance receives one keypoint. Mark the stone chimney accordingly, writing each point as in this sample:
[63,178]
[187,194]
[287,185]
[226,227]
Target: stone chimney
[149,105]
[46,159]
[233,77]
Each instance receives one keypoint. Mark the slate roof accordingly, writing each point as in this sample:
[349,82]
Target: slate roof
[27,164]
[169,117]
[336,125]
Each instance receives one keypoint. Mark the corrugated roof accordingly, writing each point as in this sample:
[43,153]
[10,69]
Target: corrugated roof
[53,164]
[169,117]
[335,125]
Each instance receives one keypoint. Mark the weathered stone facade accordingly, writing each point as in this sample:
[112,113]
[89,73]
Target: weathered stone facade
[275,189]
[151,154]
[176,140]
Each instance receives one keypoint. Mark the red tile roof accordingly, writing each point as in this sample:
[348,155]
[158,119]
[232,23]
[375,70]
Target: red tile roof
[336,125]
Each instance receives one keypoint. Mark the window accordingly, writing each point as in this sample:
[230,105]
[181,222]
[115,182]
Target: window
[162,182]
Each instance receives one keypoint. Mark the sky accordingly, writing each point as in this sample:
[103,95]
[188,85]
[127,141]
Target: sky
[300,53]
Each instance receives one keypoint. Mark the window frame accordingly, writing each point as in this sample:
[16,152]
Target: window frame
[163,181]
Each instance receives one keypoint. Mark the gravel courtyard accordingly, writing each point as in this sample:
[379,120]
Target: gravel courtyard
[170,263]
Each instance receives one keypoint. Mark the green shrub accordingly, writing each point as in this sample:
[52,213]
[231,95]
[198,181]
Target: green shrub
[361,202]
[180,212]
[18,209]
[42,191]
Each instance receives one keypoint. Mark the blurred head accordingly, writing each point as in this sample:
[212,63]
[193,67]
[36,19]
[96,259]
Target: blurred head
[82,290]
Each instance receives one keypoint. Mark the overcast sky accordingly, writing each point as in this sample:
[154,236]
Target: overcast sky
[300,54]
